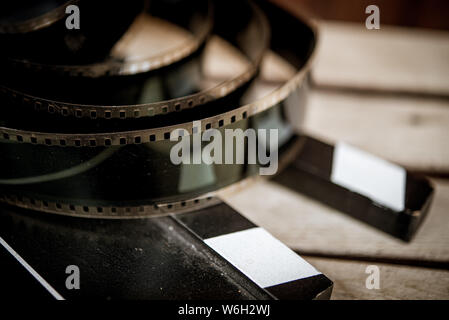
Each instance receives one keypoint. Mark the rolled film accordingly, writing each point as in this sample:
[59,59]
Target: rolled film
[106,188]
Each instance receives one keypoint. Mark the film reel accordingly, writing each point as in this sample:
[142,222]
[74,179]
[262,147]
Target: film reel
[110,41]
[23,17]
[180,86]
[150,184]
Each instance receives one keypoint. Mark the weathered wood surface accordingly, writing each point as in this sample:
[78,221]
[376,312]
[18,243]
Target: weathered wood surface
[310,227]
[390,59]
[410,131]
[396,282]
[385,92]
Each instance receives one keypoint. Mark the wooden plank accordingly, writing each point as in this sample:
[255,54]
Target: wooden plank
[310,227]
[391,59]
[409,131]
[396,282]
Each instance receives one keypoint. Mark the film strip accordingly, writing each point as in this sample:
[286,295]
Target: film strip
[195,200]
[182,85]
[37,17]
[108,43]
[113,191]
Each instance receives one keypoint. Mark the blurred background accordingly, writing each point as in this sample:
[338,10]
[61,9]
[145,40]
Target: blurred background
[387,92]
[409,13]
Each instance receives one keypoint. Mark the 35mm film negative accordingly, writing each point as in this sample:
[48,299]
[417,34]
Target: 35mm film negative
[177,87]
[17,19]
[38,37]
[89,167]
[105,151]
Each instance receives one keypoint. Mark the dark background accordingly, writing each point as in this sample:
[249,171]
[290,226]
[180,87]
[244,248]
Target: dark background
[410,13]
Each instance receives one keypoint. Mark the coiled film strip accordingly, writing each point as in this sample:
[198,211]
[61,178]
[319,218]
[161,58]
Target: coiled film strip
[115,55]
[250,28]
[39,18]
[272,110]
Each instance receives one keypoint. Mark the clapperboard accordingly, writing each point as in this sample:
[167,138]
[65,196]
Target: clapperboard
[214,253]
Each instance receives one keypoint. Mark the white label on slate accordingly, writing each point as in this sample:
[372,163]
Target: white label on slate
[261,257]
[370,176]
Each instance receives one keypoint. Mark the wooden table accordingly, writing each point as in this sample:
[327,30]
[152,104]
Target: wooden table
[387,92]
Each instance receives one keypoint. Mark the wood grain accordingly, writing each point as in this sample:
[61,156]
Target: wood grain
[396,282]
[390,59]
[386,92]
[310,227]
[412,132]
